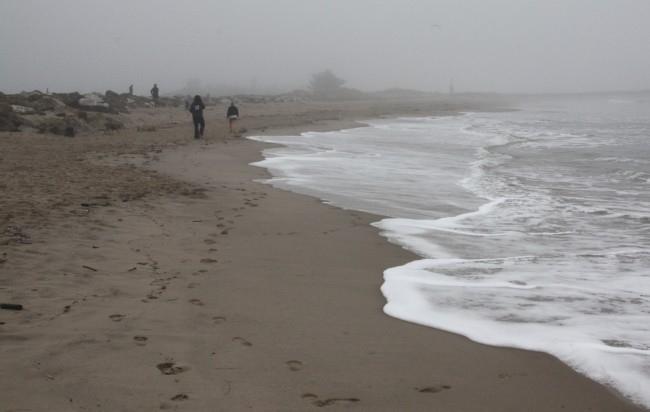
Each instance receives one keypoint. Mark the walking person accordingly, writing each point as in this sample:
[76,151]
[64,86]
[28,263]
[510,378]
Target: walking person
[155,93]
[196,108]
[232,114]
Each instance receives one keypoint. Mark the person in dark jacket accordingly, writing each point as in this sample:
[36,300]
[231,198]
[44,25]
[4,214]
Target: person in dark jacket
[155,93]
[232,114]
[196,108]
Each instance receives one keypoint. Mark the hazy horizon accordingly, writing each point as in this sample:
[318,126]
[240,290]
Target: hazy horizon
[506,46]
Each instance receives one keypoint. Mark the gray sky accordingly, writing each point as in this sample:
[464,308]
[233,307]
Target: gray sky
[484,45]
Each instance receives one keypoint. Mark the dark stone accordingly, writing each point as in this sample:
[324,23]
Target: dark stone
[113,124]
[117,102]
[69,99]
[9,121]
[11,306]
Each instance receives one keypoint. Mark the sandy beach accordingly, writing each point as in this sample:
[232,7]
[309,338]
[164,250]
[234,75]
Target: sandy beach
[157,273]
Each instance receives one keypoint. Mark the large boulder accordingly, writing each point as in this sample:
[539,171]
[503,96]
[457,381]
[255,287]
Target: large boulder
[117,102]
[65,126]
[69,99]
[47,103]
[9,120]
[16,108]
[94,102]
[33,102]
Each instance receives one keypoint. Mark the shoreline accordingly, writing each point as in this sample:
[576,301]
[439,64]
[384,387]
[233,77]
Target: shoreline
[414,256]
[244,296]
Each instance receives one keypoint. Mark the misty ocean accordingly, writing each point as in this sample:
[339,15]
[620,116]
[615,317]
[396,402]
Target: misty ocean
[533,226]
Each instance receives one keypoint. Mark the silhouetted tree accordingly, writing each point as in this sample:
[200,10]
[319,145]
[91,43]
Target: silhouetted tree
[325,83]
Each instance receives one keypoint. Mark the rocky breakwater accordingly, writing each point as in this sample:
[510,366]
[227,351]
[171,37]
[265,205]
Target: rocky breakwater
[66,113]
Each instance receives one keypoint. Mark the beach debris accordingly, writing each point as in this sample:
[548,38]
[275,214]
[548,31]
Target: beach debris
[17,235]
[95,204]
[11,306]
[116,317]
[242,341]
[332,401]
[180,397]
[140,340]
[89,268]
[328,402]
[294,365]
[433,389]
[171,368]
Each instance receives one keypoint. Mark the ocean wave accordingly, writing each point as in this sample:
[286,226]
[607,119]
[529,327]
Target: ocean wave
[530,237]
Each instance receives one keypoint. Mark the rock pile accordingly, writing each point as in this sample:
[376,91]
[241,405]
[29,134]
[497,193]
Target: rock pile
[294,96]
[66,113]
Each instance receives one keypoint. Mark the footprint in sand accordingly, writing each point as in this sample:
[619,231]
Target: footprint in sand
[294,365]
[314,399]
[209,241]
[224,232]
[209,260]
[180,397]
[218,320]
[242,341]
[196,302]
[171,368]
[433,389]
[140,340]
[116,317]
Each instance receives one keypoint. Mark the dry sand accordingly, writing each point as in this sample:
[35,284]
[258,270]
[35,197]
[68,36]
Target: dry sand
[181,284]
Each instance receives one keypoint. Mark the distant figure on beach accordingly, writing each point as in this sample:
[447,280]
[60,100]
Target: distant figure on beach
[131,90]
[196,108]
[155,92]
[232,115]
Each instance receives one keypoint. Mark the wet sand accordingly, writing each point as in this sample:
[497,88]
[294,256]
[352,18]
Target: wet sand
[192,287]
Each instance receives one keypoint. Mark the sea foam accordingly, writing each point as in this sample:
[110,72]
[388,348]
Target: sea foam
[532,232]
